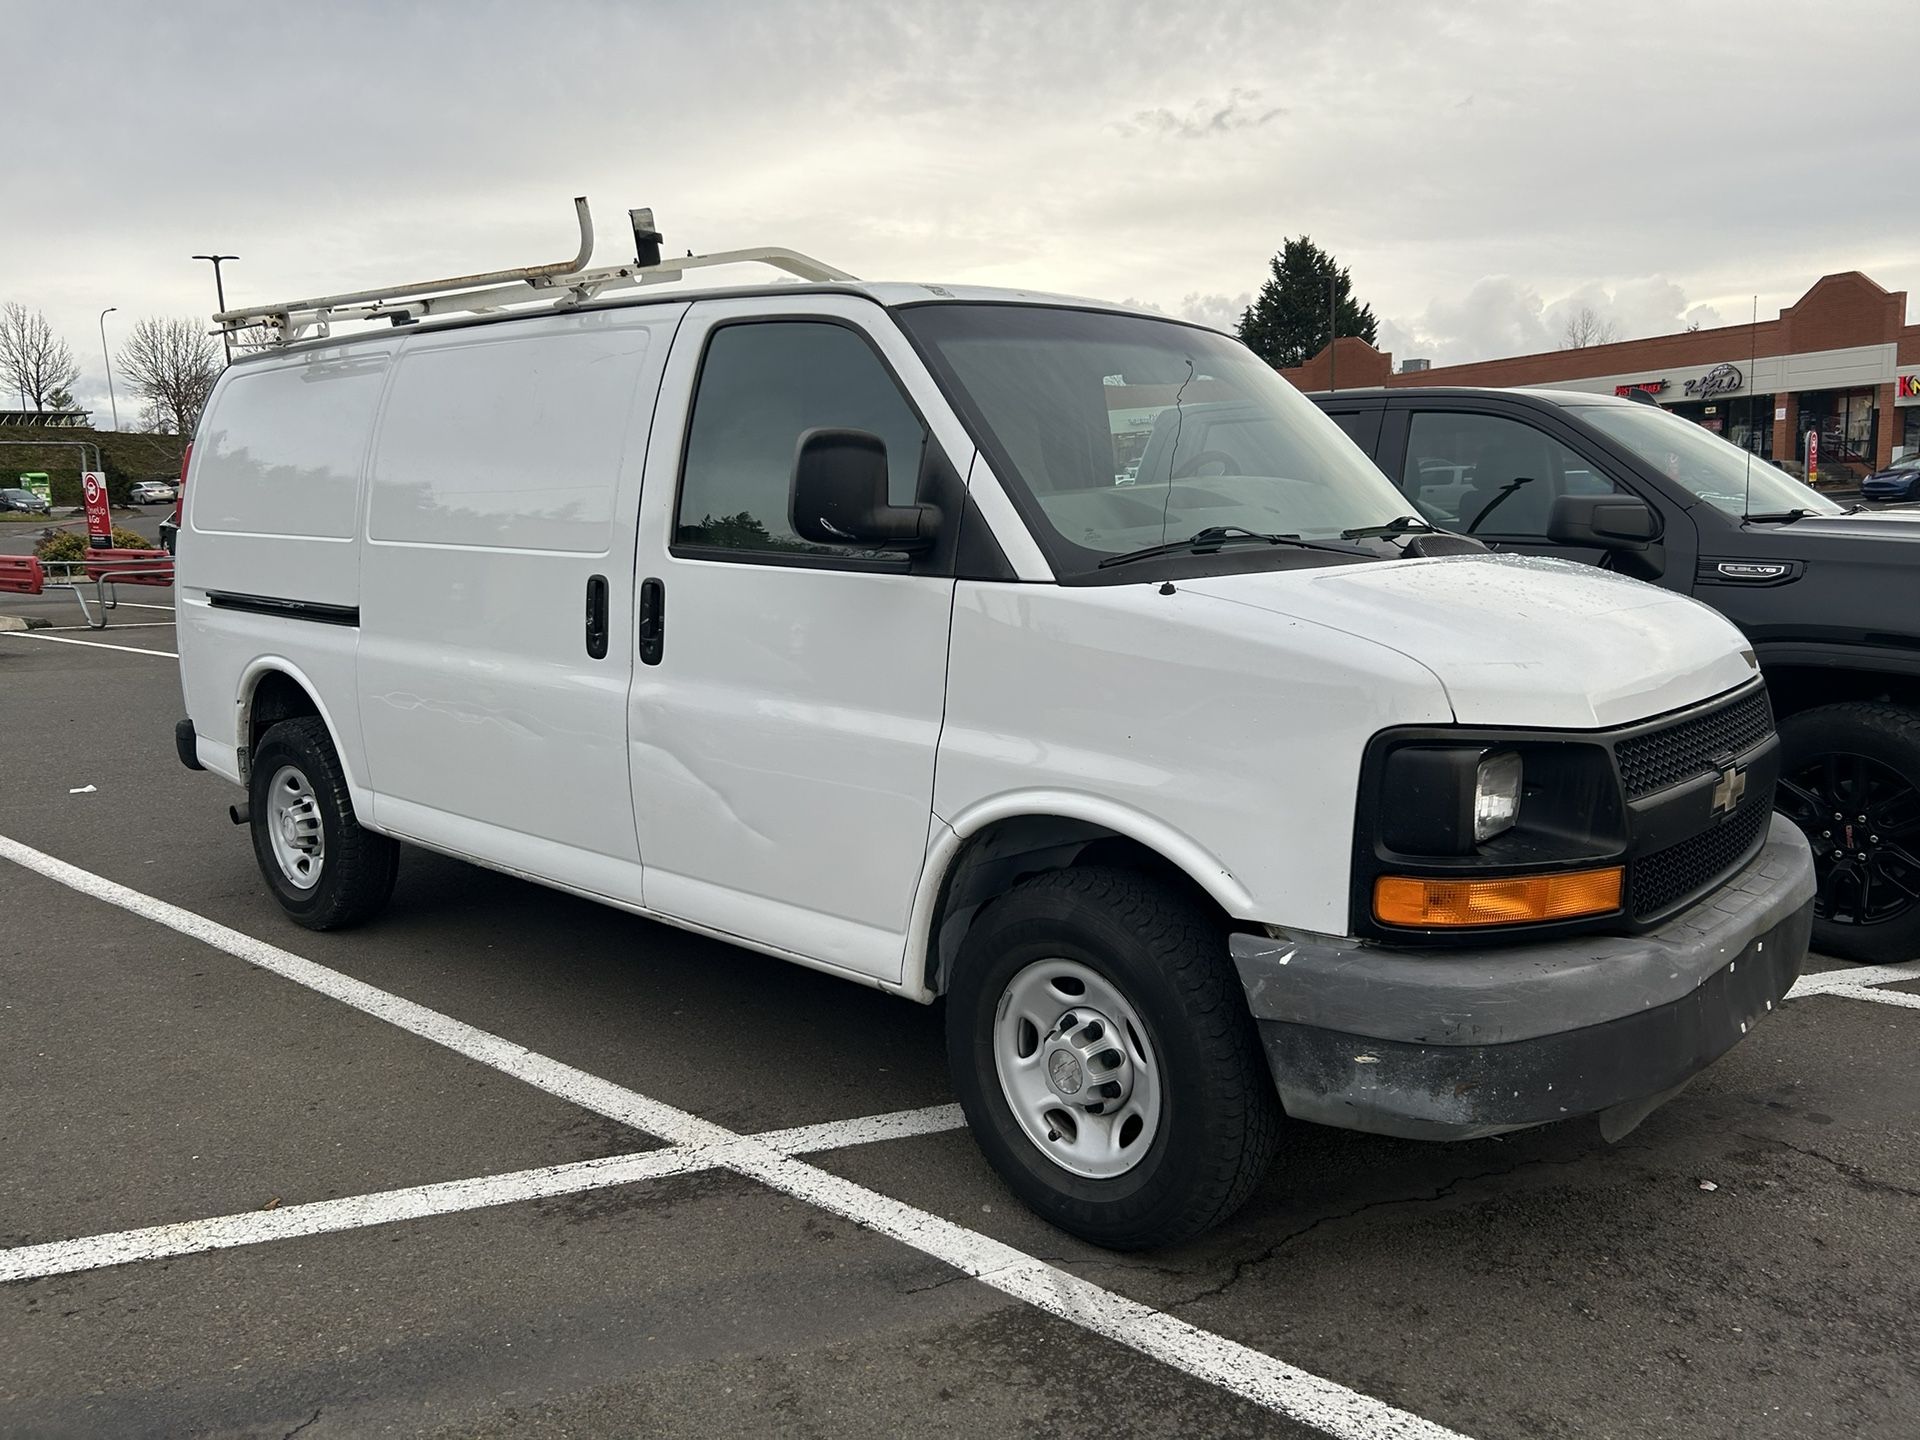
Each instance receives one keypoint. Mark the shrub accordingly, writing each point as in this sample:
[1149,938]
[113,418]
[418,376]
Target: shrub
[72,544]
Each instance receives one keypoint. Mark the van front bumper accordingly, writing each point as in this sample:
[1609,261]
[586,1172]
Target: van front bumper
[1453,1044]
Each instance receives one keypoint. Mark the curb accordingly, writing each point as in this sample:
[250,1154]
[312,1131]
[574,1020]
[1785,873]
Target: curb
[23,622]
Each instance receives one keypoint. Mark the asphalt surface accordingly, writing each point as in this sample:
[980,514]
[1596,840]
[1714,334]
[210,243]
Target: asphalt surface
[1544,1284]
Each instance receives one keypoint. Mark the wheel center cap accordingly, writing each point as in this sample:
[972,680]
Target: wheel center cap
[287,830]
[1063,1069]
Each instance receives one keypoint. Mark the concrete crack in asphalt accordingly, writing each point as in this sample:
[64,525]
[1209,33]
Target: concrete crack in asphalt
[301,1426]
[1241,1268]
[1854,1173]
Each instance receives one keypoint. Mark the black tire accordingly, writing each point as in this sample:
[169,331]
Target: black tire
[357,868]
[1167,954]
[1848,760]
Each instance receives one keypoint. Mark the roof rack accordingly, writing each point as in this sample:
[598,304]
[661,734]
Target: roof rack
[556,285]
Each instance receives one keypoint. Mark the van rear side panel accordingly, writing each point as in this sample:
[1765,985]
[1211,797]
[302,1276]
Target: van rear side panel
[269,562]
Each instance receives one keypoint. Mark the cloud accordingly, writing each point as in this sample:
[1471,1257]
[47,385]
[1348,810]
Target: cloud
[1500,315]
[1222,312]
[1241,110]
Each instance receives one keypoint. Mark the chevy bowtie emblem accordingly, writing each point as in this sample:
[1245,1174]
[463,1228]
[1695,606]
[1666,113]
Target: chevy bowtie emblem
[1729,790]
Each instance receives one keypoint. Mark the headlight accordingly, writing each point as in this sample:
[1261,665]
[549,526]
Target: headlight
[1496,794]
[1447,799]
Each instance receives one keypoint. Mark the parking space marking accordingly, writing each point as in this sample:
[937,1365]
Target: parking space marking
[838,1134]
[93,644]
[141,605]
[1858,975]
[1252,1374]
[123,625]
[1873,992]
[445,1197]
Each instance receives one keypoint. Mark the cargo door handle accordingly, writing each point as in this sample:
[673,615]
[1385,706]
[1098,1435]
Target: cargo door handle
[597,616]
[653,620]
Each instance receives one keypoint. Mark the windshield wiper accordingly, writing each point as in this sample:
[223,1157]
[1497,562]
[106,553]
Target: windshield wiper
[1777,517]
[1400,526]
[1213,537]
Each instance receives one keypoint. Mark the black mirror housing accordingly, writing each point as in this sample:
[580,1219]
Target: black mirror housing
[839,495]
[1601,522]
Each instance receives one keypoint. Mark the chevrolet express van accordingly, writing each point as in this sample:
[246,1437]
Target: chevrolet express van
[826,619]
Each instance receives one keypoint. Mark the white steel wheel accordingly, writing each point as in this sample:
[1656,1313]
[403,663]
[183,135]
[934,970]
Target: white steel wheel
[1077,1068]
[296,834]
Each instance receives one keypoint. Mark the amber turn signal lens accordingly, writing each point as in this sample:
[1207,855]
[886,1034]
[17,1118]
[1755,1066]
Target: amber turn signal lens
[1511,900]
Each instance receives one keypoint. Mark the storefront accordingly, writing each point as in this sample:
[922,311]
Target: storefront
[1841,363]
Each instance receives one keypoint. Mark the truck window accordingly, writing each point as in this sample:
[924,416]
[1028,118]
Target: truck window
[1488,475]
[762,385]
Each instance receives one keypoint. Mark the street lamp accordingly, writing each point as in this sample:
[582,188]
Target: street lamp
[109,359]
[220,293]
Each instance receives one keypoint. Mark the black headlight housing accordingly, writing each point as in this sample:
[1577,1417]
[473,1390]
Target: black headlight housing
[1417,814]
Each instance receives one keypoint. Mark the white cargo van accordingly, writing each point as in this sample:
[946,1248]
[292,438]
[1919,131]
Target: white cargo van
[826,618]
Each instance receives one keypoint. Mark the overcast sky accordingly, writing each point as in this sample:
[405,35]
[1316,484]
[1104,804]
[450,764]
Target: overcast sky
[1480,168]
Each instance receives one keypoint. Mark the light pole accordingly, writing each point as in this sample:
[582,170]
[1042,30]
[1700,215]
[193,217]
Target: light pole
[109,359]
[220,293]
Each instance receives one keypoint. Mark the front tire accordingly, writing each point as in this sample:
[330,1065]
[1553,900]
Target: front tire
[324,868]
[1103,1053]
[1850,779]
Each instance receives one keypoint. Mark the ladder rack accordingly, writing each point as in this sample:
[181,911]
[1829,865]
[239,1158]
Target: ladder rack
[555,285]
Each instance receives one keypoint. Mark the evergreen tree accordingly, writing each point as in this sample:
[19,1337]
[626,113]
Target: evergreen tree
[1287,323]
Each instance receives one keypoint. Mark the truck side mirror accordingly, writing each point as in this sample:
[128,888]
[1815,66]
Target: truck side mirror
[839,495]
[1601,522]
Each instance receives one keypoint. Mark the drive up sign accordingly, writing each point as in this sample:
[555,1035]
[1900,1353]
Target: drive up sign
[93,486]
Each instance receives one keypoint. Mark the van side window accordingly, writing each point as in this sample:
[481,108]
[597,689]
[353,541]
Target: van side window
[762,384]
[1488,475]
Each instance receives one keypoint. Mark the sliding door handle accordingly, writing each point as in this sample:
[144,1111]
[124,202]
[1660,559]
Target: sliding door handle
[653,621]
[597,616]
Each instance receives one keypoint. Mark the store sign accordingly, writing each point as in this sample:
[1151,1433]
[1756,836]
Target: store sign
[93,489]
[1652,387]
[1906,387]
[1720,380]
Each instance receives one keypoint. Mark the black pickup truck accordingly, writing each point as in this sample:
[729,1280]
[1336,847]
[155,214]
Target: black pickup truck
[1829,594]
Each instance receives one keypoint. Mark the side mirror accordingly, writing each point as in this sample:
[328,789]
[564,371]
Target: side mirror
[839,495]
[1601,522]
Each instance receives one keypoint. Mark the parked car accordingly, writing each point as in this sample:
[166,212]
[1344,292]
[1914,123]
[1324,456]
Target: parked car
[24,501]
[170,531]
[1899,481]
[822,627]
[1822,591]
[151,492]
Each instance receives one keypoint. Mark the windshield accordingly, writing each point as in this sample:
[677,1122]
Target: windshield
[1705,464]
[1117,432]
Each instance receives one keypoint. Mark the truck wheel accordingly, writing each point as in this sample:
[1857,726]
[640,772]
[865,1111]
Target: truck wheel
[324,869]
[1850,778]
[1102,1050]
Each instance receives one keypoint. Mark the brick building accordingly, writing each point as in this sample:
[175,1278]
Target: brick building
[1841,361]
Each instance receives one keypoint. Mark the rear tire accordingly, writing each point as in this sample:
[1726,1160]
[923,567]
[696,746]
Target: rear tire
[1838,764]
[325,869]
[1143,969]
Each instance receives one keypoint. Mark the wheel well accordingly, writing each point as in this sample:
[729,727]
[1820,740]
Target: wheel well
[1803,687]
[276,696]
[998,857]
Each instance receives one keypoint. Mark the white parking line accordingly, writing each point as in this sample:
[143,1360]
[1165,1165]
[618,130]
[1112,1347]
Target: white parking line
[94,644]
[1870,992]
[1853,977]
[140,605]
[123,625]
[1251,1374]
[445,1197]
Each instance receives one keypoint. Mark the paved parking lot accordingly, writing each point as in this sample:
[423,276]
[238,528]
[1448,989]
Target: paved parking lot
[507,1161]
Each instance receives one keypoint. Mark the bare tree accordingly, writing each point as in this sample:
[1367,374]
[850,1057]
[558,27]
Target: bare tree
[172,364]
[1587,328]
[36,362]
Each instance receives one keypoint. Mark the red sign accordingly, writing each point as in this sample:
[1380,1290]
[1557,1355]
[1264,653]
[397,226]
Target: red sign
[93,487]
[1906,387]
[1813,457]
[1652,387]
